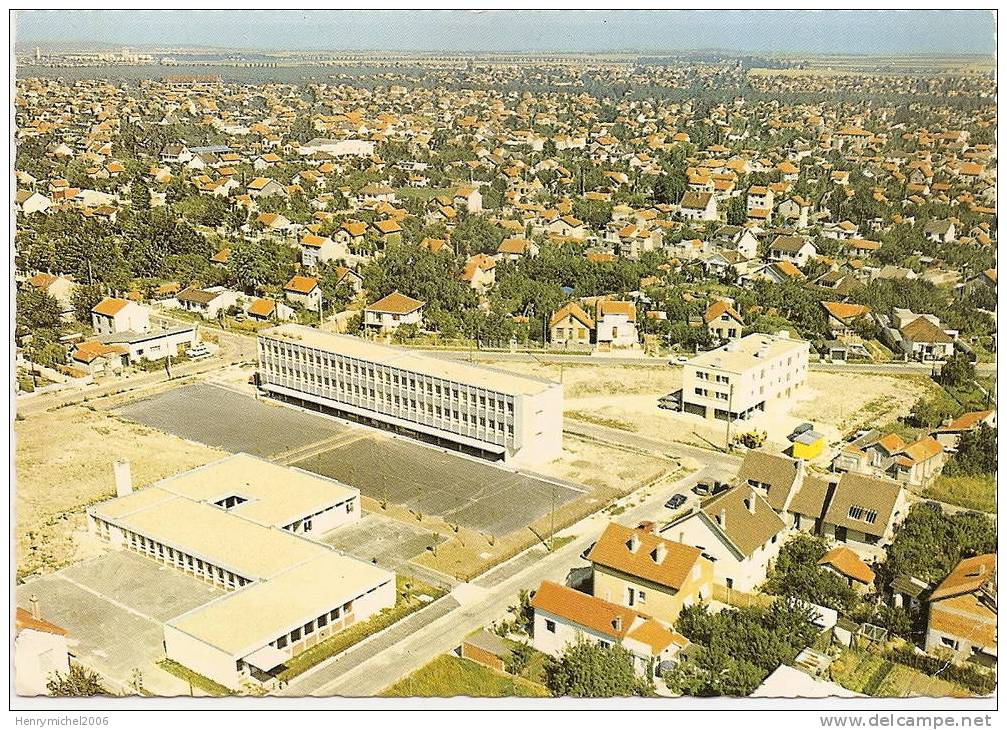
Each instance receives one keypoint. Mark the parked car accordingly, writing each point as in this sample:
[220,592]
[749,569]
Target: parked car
[675,502]
[703,489]
[198,351]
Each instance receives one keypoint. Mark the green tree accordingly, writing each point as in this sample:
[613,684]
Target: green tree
[84,298]
[797,574]
[588,669]
[977,453]
[957,371]
[77,682]
[35,310]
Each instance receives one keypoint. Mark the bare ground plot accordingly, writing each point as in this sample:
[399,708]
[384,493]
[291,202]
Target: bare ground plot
[63,461]
[232,421]
[625,397]
[473,494]
[113,607]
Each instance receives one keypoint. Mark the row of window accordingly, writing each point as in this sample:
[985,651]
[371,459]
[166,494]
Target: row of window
[179,559]
[862,513]
[338,368]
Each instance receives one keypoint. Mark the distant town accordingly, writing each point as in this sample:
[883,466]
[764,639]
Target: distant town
[504,375]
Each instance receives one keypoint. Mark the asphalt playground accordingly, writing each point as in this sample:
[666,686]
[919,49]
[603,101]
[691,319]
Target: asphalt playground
[478,495]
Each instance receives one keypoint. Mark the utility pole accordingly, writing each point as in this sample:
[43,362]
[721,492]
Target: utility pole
[730,405]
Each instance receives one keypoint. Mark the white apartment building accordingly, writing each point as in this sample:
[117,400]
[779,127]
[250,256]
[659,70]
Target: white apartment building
[737,380]
[242,523]
[483,411]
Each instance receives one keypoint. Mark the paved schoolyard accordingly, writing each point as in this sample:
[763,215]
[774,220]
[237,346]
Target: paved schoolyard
[113,607]
[376,537]
[231,421]
[471,493]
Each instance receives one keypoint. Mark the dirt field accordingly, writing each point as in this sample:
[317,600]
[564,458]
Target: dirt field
[625,397]
[63,463]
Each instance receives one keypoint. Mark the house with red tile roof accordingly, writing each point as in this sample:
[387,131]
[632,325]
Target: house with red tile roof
[41,649]
[391,312]
[564,616]
[962,613]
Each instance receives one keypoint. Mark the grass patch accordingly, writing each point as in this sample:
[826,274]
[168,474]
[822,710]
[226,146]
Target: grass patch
[878,351]
[450,676]
[555,543]
[875,675]
[602,420]
[978,492]
[408,591]
[197,680]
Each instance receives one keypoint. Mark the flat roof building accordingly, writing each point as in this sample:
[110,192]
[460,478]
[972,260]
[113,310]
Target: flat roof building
[483,411]
[735,381]
[242,523]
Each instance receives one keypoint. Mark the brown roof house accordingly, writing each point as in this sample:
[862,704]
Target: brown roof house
[962,618]
[391,312]
[40,650]
[639,569]
[564,616]
[850,567]
[738,530]
[723,321]
[616,325]
[570,325]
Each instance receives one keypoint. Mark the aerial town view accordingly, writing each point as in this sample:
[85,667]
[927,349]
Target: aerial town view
[588,366]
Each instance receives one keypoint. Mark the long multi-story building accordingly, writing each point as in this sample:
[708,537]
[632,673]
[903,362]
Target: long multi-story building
[483,411]
[737,380]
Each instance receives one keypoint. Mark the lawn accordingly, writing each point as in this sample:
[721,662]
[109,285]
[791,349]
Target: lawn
[198,681]
[450,676]
[978,493]
[872,674]
[407,602]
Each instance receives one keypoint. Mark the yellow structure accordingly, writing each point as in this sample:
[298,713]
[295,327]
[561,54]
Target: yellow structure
[808,445]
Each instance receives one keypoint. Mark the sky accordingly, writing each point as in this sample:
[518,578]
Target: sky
[854,32]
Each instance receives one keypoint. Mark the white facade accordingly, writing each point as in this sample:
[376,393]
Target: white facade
[38,655]
[738,379]
[472,408]
[116,315]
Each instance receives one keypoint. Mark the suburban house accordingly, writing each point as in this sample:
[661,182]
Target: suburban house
[698,206]
[842,318]
[616,325]
[924,339]
[637,568]
[962,615]
[112,315]
[304,290]
[153,344]
[855,508]
[59,288]
[40,650]
[795,249]
[268,310]
[28,202]
[263,187]
[391,312]
[513,249]
[207,302]
[480,272]
[316,249]
[873,453]
[564,615]
[97,358]
[941,231]
[850,567]
[738,531]
[951,432]
[468,198]
[570,325]
[723,321]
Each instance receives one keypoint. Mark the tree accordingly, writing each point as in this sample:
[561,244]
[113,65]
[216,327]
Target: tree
[519,658]
[797,574]
[977,453]
[957,371]
[77,682]
[588,669]
[36,310]
[84,298]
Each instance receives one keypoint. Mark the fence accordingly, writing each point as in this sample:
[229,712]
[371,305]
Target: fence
[741,599]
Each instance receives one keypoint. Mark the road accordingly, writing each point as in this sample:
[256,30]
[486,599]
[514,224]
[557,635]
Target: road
[891,368]
[234,348]
[365,672]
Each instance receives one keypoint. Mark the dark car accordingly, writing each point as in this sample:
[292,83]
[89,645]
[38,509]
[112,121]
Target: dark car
[703,489]
[675,502]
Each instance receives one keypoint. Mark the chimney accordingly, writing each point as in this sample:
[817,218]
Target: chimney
[123,480]
[722,519]
[33,607]
[750,502]
[681,536]
[617,623]
[660,553]
[634,543]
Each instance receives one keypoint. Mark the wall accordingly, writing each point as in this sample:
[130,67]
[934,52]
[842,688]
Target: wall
[200,657]
[661,602]
[37,655]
